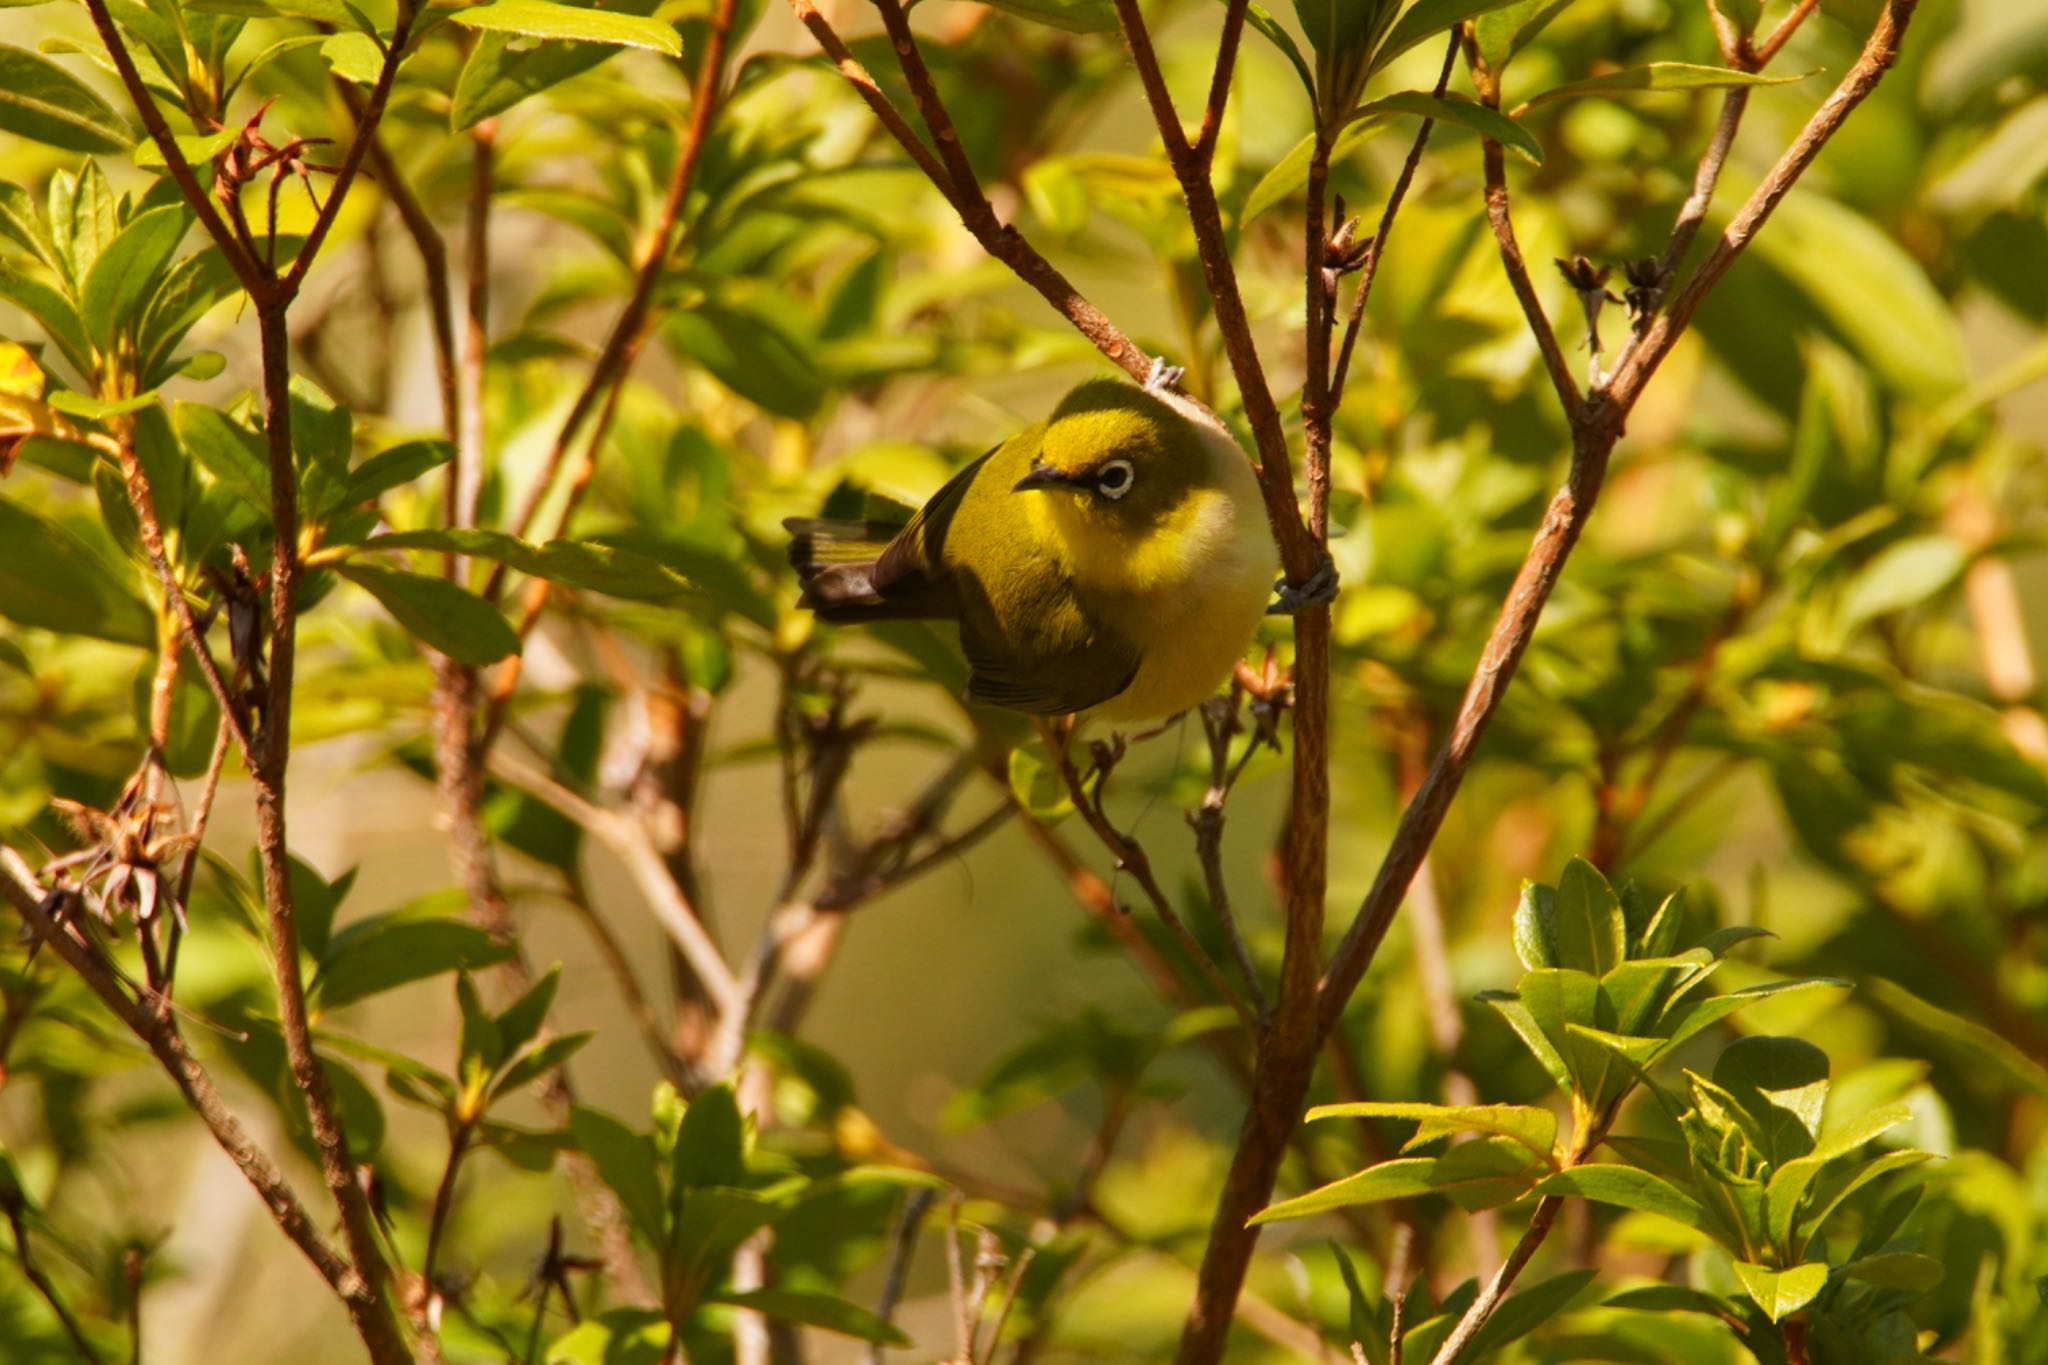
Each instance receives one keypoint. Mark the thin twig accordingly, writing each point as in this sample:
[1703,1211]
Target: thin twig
[628,331]
[643,862]
[1298,553]
[999,239]
[1517,270]
[1219,717]
[11,1205]
[1131,858]
[1782,34]
[1369,268]
[248,271]
[902,1243]
[20,888]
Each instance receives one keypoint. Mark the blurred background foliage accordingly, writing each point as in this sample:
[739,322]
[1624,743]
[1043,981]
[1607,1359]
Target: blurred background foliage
[1794,670]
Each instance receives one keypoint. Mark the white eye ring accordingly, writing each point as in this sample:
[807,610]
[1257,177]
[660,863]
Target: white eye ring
[1115,478]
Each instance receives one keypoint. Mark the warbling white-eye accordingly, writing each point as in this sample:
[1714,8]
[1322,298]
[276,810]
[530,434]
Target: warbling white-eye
[1113,559]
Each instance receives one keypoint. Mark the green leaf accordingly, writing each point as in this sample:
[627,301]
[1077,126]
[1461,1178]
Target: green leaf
[814,1310]
[20,223]
[1984,1050]
[442,615]
[1507,30]
[481,1049]
[1526,1311]
[1907,1270]
[711,1144]
[182,296]
[750,354]
[52,579]
[1534,1128]
[1839,1182]
[1519,1018]
[1425,20]
[197,150]
[1590,932]
[502,71]
[1628,1188]
[1781,1293]
[539,1061]
[1535,926]
[43,102]
[624,1336]
[1782,1084]
[1270,28]
[544,19]
[1466,113]
[626,1161]
[1481,1174]
[520,1022]
[1037,785]
[393,468]
[127,272]
[1656,77]
[1075,16]
[1788,1184]
[1560,996]
[386,951]
[1906,573]
[354,56]
[1872,292]
[233,454]
[578,564]
[50,308]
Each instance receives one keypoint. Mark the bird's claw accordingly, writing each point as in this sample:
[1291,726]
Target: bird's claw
[1162,376]
[1294,598]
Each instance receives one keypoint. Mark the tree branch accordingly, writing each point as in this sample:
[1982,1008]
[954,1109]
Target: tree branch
[20,887]
[254,278]
[998,239]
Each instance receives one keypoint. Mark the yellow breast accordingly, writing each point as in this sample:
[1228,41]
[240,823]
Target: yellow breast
[1190,594]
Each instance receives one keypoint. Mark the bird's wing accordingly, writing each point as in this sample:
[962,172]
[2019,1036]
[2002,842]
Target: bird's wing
[918,550]
[1047,691]
[1044,656]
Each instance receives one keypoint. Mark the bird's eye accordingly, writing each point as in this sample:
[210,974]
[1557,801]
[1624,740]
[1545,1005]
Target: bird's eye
[1115,478]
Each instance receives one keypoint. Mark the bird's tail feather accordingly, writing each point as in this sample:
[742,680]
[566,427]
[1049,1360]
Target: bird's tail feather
[835,561]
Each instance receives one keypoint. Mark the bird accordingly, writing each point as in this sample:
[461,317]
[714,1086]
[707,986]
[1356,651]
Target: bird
[1112,561]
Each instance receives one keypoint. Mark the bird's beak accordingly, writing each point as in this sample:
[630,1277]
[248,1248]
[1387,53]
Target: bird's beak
[1041,476]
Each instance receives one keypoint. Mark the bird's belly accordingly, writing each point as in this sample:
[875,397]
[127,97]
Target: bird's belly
[1189,655]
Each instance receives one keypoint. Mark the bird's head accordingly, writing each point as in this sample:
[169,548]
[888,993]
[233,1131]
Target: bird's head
[1116,467]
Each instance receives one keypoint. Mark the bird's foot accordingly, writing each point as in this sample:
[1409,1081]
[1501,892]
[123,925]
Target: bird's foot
[1319,590]
[1163,377]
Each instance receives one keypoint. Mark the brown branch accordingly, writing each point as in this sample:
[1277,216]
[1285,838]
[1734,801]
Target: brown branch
[253,277]
[1782,34]
[1131,858]
[287,286]
[150,531]
[1218,720]
[1482,1308]
[367,1306]
[12,1206]
[643,862]
[1369,267]
[1595,431]
[1879,53]
[997,238]
[159,1032]
[1298,550]
[1497,214]
[629,330]
[1219,81]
